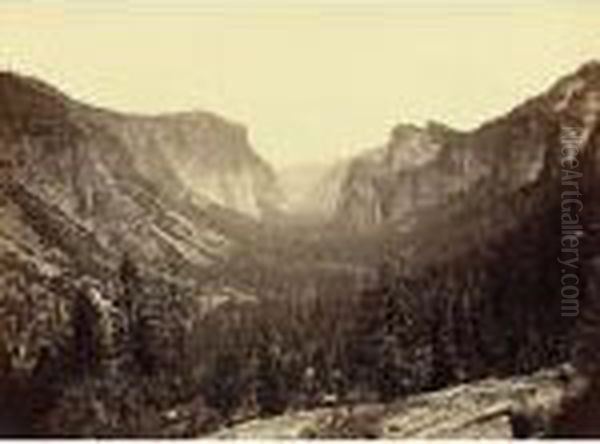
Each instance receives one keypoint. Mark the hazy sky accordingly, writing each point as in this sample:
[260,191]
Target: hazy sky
[312,81]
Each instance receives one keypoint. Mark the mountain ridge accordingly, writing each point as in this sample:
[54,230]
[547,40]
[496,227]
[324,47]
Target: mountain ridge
[394,182]
[195,144]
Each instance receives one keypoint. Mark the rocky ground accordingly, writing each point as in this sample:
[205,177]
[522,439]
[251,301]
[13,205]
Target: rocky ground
[484,409]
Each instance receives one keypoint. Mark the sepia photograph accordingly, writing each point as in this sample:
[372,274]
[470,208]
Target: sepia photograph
[299,220]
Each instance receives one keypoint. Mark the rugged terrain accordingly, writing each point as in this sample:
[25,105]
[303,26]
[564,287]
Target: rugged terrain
[148,258]
[149,185]
[84,191]
[481,410]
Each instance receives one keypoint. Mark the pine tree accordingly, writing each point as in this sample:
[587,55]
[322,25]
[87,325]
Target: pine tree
[271,393]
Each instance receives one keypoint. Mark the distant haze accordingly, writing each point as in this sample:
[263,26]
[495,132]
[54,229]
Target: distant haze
[313,83]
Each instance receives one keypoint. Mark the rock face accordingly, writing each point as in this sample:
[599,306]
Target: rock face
[423,169]
[481,410]
[379,185]
[312,191]
[211,157]
[142,184]
[511,195]
[81,190]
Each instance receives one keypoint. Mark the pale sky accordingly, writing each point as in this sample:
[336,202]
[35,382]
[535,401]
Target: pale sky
[312,81]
